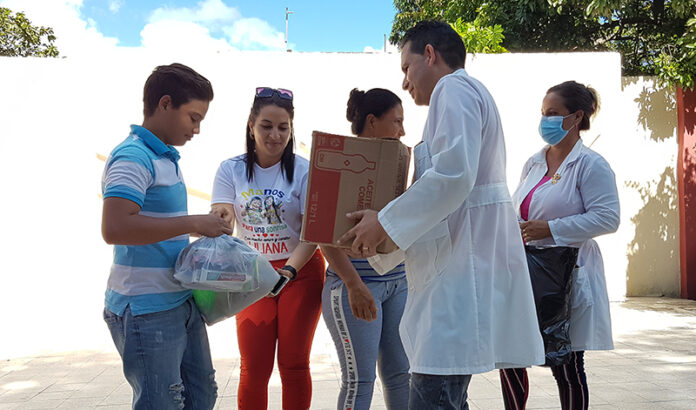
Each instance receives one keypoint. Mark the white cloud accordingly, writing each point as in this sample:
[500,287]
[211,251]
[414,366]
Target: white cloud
[214,16]
[181,38]
[211,13]
[115,5]
[209,26]
[74,35]
[391,48]
[255,34]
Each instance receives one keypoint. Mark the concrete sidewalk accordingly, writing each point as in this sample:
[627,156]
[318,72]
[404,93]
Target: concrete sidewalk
[652,367]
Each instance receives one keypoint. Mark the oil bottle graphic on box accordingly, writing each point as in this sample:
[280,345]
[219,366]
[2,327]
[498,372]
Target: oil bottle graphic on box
[339,161]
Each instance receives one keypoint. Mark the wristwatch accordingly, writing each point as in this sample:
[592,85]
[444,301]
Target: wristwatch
[279,285]
[290,269]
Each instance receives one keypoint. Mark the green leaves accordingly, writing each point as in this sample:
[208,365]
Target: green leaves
[653,36]
[409,12]
[20,38]
[676,63]
[479,38]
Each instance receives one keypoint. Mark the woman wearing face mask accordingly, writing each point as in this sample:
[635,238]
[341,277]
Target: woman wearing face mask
[362,309]
[264,192]
[567,195]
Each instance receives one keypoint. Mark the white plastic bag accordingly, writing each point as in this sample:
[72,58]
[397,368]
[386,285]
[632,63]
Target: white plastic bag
[224,264]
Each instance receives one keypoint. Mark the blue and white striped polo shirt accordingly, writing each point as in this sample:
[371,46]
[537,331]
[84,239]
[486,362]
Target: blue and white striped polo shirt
[368,274]
[143,169]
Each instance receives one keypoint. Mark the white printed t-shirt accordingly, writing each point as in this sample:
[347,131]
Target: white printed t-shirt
[269,209]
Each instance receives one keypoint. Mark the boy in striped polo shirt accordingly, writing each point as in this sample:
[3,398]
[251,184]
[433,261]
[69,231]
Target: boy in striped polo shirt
[153,321]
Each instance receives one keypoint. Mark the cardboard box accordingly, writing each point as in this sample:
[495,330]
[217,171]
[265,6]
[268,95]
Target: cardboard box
[347,174]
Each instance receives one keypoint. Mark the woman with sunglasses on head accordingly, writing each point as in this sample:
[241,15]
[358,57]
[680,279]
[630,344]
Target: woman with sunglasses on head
[567,196]
[264,192]
[362,309]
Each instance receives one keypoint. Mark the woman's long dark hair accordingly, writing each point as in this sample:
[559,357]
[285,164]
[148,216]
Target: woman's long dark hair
[287,161]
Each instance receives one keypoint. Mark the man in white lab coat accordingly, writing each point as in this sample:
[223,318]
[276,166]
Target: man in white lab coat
[470,307]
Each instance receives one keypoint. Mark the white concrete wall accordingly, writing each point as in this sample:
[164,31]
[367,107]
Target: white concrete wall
[650,193]
[58,115]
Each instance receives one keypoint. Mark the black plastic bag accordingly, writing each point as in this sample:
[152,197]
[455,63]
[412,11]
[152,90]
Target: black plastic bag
[551,272]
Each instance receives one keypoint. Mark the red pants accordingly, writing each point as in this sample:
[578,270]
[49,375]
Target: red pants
[290,319]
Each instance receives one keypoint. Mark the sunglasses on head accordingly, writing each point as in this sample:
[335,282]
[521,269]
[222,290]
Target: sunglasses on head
[267,92]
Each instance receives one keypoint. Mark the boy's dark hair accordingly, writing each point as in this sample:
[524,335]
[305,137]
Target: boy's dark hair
[376,101]
[287,161]
[441,36]
[179,82]
[576,97]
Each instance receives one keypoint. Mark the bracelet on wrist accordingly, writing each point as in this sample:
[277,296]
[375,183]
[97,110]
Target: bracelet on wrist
[290,269]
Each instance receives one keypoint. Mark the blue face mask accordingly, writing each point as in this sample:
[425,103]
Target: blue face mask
[551,128]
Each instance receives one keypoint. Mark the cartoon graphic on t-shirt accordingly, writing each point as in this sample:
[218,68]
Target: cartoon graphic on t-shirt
[254,211]
[261,211]
[272,210]
[262,225]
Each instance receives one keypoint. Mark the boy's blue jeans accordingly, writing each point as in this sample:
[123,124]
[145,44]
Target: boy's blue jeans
[166,357]
[438,392]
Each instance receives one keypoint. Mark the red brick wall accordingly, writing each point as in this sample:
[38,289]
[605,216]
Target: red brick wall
[686,175]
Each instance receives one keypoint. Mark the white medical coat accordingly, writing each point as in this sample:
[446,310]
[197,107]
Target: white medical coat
[470,307]
[582,204]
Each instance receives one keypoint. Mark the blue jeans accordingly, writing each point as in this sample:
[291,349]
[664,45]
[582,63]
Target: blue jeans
[438,392]
[166,357]
[361,345]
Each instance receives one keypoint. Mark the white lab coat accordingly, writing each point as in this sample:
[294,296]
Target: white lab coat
[470,307]
[582,204]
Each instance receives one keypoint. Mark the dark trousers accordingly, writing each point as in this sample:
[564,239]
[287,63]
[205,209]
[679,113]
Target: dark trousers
[570,378]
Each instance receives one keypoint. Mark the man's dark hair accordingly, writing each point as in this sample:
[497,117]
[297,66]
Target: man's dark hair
[441,36]
[179,82]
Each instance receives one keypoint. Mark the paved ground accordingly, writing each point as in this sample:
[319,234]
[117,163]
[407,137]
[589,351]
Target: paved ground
[652,367]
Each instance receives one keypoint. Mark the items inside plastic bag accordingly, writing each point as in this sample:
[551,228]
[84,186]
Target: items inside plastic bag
[224,264]
[217,306]
[550,269]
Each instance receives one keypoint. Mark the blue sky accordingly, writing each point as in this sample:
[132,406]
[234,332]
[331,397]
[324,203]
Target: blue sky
[315,25]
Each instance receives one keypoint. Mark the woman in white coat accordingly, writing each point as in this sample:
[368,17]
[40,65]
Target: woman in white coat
[567,195]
